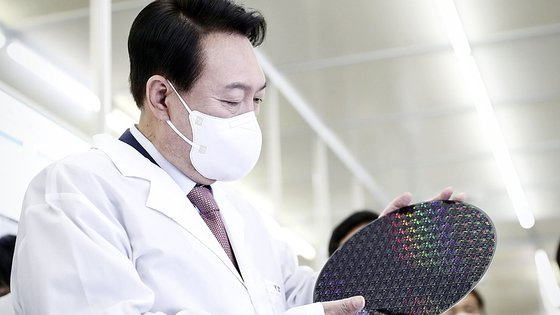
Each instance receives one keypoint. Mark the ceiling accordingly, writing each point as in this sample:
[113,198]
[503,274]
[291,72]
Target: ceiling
[381,76]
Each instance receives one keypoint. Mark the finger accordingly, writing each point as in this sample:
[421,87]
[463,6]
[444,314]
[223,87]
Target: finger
[348,306]
[460,197]
[399,202]
[445,194]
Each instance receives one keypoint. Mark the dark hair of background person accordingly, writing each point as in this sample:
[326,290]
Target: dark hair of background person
[354,220]
[7,245]
[165,39]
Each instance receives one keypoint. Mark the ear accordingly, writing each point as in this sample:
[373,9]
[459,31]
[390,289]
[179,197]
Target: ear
[157,90]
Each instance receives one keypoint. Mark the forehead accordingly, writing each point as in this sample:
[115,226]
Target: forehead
[230,58]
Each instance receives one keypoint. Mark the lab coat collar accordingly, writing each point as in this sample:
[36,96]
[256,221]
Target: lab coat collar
[137,140]
[166,197]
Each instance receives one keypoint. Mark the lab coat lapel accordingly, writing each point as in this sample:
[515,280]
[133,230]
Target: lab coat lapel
[189,218]
[164,195]
[235,226]
[183,212]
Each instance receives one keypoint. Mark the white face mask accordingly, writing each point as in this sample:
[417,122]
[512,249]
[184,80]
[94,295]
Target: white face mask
[222,149]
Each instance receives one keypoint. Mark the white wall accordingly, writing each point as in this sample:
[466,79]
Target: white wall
[28,142]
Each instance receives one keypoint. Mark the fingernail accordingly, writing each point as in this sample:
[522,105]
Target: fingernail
[358,302]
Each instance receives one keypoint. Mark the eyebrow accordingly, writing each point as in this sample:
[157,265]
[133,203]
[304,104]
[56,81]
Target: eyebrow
[242,86]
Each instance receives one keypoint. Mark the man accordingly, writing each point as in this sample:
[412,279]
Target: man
[132,226]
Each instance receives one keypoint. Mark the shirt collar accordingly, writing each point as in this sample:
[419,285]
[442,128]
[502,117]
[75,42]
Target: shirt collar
[179,177]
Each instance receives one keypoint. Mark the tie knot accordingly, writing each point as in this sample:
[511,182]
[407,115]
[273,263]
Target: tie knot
[202,198]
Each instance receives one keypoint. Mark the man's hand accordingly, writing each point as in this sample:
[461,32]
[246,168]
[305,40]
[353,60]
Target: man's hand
[349,306]
[404,199]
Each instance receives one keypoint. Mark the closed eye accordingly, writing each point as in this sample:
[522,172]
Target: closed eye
[231,103]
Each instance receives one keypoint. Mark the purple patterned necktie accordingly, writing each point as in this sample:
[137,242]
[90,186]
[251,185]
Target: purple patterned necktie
[202,198]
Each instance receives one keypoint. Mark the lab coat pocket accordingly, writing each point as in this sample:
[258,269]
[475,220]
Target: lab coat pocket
[276,296]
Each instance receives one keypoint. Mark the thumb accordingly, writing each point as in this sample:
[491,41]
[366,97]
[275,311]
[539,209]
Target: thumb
[348,306]
[358,303]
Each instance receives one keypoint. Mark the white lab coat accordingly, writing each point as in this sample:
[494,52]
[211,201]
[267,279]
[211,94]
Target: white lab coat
[6,305]
[108,232]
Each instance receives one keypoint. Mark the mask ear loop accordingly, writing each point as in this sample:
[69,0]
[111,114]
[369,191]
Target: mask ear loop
[180,134]
[180,98]
[170,124]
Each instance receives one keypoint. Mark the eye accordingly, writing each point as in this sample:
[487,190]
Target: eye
[257,100]
[231,103]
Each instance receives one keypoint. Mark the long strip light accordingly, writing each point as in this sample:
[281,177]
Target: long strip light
[48,72]
[547,280]
[486,112]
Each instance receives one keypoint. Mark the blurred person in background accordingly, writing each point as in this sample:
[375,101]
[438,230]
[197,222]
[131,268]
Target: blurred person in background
[472,304]
[350,226]
[7,244]
[558,255]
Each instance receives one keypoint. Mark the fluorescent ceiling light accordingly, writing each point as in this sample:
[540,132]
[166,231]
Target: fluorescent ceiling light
[547,280]
[486,113]
[47,139]
[454,28]
[53,75]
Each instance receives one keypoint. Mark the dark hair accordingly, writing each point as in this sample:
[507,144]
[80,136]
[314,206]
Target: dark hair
[7,246]
[341,230]
[558,255]
[165,39]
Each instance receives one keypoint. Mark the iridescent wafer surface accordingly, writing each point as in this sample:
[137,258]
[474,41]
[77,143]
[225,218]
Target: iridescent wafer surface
[420,259]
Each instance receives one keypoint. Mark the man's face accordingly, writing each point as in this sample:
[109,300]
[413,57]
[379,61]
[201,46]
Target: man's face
[231,83]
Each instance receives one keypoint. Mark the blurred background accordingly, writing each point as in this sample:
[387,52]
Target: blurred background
[366,99]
